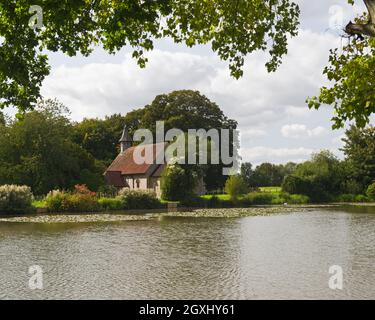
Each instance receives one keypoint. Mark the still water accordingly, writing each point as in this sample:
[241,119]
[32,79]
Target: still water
[270,257]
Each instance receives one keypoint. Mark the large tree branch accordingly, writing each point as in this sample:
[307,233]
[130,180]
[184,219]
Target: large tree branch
[367,29]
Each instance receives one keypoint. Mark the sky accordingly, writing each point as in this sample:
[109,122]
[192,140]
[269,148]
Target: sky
[274,121]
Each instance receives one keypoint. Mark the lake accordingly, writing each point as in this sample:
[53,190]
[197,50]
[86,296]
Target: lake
[284,256]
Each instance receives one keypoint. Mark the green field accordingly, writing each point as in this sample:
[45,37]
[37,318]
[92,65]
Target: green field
[223,197]
[270,189]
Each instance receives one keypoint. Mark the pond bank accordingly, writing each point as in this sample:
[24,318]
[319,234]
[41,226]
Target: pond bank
[149,215]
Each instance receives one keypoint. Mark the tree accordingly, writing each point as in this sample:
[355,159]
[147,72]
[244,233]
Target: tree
[235,186]
[359,149]
[371,191]
[72,26]
[177,183]
[234,29]
[184,110]
[352,74]
[37,151]
[100,137]
[318,178]
[247,173]
[366,27]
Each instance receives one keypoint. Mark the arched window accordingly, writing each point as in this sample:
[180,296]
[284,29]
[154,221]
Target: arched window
[138,183]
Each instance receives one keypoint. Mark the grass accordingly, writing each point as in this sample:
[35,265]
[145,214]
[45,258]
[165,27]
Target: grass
[224,197]
[270,189]
[39,204]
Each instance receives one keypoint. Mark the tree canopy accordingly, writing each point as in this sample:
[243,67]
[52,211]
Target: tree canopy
[184,110]
[38,152]
[352,74]
[233,28]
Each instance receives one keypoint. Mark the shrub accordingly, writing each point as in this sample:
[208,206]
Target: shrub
[15,199]
[263,198]
[371,191]
[81,200]
[138,199]
[177,183]
[346,198]
[108,204]
[193,201]
[311,187]
[108,191]
[214,202]
[235,186]
[351,187]
[55,199]
[362,198]
[295,185]
[258,198]
[297,199]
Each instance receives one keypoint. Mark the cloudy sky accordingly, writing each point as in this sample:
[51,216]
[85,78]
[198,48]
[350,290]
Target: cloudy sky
[274,121]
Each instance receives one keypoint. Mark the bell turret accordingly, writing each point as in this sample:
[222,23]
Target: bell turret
[125,141]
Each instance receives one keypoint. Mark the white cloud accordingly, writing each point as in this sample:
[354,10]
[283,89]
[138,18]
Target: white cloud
[338,140]
[260,102]
[252,133]
[300,130]
[276,155]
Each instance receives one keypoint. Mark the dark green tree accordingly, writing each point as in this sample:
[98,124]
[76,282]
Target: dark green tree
[77,26]
[184,110]
[37,151]
[351,72]
[319,178]
[359,149]
[178,183]
[100,137]
[247,173]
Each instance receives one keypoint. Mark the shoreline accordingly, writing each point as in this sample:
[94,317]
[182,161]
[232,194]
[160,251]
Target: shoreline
[182,212]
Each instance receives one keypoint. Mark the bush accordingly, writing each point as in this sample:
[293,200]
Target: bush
[109,204]
[213,202]
[138,199]
[55,199]
[295,185]
[362,198]
[311,187]
[194,201]
[297,199]
[177,183]
[107,191]
[346,198]
[235,186]
[371,191]
[81,200]
[259,198]
[15,199]
[263,198]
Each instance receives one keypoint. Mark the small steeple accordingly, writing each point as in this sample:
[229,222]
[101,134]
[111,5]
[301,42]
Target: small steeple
[125,141]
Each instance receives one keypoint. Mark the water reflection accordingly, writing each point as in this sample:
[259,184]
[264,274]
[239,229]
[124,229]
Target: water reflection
[285,256]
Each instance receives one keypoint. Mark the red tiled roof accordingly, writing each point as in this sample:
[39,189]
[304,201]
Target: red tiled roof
[125,164]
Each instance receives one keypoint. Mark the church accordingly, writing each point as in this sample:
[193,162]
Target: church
[124,172]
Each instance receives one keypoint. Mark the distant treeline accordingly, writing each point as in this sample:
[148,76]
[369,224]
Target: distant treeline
[45,150]
[324,176]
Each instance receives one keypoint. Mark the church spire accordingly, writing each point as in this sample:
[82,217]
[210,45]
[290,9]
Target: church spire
[125,141]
